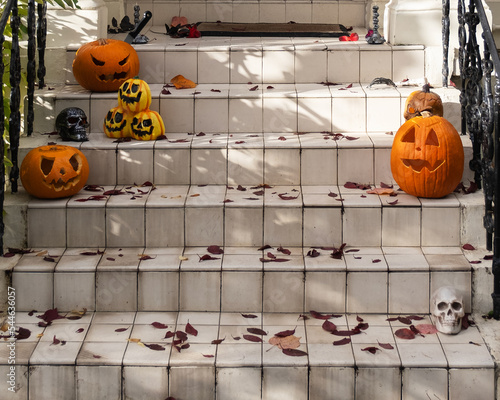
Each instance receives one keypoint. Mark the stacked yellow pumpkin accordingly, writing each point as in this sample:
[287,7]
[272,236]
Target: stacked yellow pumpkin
[133,117]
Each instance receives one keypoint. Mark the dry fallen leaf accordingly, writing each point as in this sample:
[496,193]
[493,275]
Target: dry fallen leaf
[287,342]
[182,83]
[381,191]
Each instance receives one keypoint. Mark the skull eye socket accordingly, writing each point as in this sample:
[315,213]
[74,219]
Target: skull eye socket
[456,306]
[442,306]
[73,120]
[97,62]
[409,136]
[46,166]
[123,62]
[432,139]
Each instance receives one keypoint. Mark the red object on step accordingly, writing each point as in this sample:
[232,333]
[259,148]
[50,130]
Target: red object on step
[352,38]
[194,32]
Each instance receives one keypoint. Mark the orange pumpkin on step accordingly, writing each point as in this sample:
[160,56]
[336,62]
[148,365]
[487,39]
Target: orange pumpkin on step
[103,65]
[423,100]
[427,157]
[54,171]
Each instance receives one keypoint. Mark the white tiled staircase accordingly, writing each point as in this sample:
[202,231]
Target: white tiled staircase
[258,154]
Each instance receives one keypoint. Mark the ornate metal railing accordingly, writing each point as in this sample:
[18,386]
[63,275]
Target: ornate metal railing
[480,100]
[10,15]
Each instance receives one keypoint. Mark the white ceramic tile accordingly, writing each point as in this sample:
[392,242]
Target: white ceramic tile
[128,160]
[209,166]
[283,382]
[124,227]
[213,66]
[362,226]
[348,114]
[283,292]
[408,292]
[282,166]
[220,11]
[355,165]
[389,379]
[464,383]
[98,381]
[19,384]
[383,114]
[279,115]
[405,259]
[352,13]
[199,291]
[246,66]
[165,226]
[204,226]
[325,291]
[41,374]
[99,353]
[367,292]
[374,64]
[74,291]
[448,262]
[408,64]
[116,291]
[37,290]
[211,115]
[440,226]
[109,332]
[319,166]
[314,114]
[243,226]
[333,356]
[272,12]
[245,115]
[246,12]
[322,226]
[172,166]
[278,66]
[283,226]
[298,12]
[158,291]
[421,382]
[326,380]
[310,66]
[100,104]
[468,356]
[232,382]
[241,291]
[103,171]
[178,113]
[189,383]
[325,12]
[343,65]
[41,221]
[241,354]
[47,353]
[245,165]
[85,227]
[137,381]
[401,225]
[152,66]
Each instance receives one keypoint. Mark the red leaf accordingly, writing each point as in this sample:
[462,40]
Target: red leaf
[415,317]
[354,37]
[404,320]
[426,329]
[468,246]
[331,194]
[121,329]
[215,90]
[286,333]
[22,333]
[214,249]
[80,330]
[386,185]
[337,253]
[284,251]
[159,325]
[329,326]
[182,336]
[252,338]
[377,260]
[155,346]
[353,331]
[207,257]
[351,185]
[96,356]
[405,333]
[351,137]
[208,355]
[218,341]
[270,87]
[342,342]
[318,315]
[271,255]
[294,352]
[50,315]
[386,346]
[239,142]
[169,335]
[254,88]
[55,340]
[191,330]
[363,326]
[110,259]
[257,331]
[313,253]
[265,247]
[393,203]
[282,138]
[146,257]
[371,349]
[249,316]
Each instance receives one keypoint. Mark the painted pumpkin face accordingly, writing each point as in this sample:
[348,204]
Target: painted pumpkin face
[134,95]
[427,157]
[117,123]
[423,100]
[103,65]
[54,171]
[147,125]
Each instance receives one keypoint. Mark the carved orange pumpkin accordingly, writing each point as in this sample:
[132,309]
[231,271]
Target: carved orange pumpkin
[103,65]
[134,95]
[147,125]
[423,100]
[117,123]
[427,157]
[54,171]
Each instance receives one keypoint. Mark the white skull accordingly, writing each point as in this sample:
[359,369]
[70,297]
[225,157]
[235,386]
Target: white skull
[448,307]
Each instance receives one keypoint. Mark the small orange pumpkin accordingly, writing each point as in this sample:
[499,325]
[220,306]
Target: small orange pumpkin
[427,157]
[423,100]
[103,65]
[54,171]
[117,123]
[134,95]
[147,125]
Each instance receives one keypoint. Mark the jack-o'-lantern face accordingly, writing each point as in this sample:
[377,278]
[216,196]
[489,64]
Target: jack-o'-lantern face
[117,123]
[103,65]
[147,125]
[134,95]
[427,157]
[54,171]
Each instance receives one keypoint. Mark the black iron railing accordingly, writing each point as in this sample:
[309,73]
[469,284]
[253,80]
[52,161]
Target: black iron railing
[10,17]
[480,98]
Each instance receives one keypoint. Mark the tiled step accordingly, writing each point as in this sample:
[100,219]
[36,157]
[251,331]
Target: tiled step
[199,215]
[396,280]
[270,60]
[254,108]
[106,356]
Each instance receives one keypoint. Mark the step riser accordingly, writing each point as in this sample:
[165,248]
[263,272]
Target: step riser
[224,62]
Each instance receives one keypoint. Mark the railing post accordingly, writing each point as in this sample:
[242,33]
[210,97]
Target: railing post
[446,40]
[41,37]
[31,68]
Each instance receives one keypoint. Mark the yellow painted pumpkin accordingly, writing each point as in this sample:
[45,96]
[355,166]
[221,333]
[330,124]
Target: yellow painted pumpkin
[54,171]
[117,123]
[423,100]
[427,157]
[147,125]
[103,65]
[134,95]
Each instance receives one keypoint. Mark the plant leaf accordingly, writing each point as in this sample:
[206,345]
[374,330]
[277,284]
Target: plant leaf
[159,325]
[191,330]
[257,331]
[329,326]
[249,316]
[371,349]
[405,333]
[252,338]
[214,249]
[342,342]
[155,346]
[294,352]
[386,346]
[286,333]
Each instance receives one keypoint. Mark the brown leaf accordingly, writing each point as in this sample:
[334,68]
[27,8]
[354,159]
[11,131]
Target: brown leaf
[169,335]
[254,88]
[207,257]
[468,246]
[371,349]
[155,346]
[182,336]
[287,342]
[80,330]
[313,253]
[265,247]
[342,342]
[218,341]
[284,196]
[214,249]
[318,315]
[55,340]
[404,320]
[121,329]
[284,251]
[405,333]
[331,194]
[386,346]
[426,329]
[249,316]
[329,326]
[50,315]
[288,332]
[23,333]
[208,355]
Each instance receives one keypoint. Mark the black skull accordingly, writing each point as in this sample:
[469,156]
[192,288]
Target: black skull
[72,124]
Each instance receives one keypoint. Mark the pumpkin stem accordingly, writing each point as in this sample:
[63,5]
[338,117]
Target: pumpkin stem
[102,41]
[426,88]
